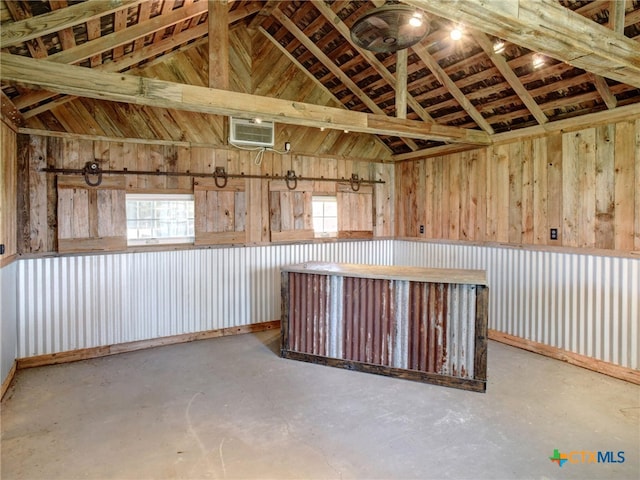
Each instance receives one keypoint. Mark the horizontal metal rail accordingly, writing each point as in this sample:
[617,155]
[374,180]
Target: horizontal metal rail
[93,170]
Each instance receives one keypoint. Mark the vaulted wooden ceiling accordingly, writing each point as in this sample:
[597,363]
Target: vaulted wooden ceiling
[449,93]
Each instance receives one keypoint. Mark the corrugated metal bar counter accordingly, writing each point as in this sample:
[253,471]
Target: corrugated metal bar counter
[422,324]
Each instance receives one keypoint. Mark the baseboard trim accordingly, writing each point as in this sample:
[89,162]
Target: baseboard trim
[623,373]
[7,381]
[606,368]
[96,352]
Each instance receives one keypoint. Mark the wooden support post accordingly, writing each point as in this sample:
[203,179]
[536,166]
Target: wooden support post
[218,44]
[401,83]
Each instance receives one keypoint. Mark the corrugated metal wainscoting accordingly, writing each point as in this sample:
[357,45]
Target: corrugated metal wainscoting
[73,302]
[585,304]
[8,337]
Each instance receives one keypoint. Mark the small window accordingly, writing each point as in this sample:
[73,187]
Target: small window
[325,216]
[162,218]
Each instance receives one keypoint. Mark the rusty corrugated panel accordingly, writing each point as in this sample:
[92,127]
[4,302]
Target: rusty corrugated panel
[408,325]
[427,315]
[367,320]
[309,313]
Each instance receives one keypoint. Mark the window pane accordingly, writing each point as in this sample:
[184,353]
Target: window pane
[331,225]
[160,218]
[318,208]
[325,216]
[331,209]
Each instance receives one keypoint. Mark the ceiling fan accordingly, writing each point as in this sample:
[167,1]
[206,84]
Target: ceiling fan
[390,28]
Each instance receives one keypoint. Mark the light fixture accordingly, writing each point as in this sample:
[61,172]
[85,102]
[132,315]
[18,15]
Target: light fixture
[346,131]
[498,47]
[538,60]
[456,34]
[322,129]
[257,120]
[416,20]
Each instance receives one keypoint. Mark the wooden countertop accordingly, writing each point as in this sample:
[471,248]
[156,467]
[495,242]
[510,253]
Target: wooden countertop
[414,274]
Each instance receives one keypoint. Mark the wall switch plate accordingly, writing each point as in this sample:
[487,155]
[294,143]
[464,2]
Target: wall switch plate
[553,234]
[421,228]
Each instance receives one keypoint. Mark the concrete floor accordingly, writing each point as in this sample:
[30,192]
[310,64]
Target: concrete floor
[231,408]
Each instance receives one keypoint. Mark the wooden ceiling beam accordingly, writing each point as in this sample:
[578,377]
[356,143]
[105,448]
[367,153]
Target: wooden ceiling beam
[19,12]
[620,114]
[616,15]
[547,27]
[315,80]
[263,14]
[508,74]
[127,61]
[9,111]
[616,23]
[376,64]
[218,20]
[118,87]
[128,35]
[121,64]
[603,89]
[325,60]
[335,69]
[30,28]
[401,83]
[450,85]
[66,36]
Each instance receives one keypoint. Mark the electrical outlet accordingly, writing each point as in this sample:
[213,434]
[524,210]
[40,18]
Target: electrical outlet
[421,228]
[553,235]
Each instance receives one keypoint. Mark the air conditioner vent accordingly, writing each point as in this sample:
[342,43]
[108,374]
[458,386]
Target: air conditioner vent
[251,133]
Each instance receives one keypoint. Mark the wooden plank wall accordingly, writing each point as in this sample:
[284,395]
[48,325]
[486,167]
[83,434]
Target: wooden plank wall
[256,66]
[585,183]
[37,192]
[8,190]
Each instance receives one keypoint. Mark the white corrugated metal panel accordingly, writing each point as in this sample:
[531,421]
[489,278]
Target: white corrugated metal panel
[582,303]
[68,303]
[8,335]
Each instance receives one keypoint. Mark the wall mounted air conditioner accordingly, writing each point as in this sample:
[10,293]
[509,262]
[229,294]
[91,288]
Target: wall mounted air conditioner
[251,133]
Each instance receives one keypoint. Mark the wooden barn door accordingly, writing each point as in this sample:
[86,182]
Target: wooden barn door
[91,218]
[291,211]
[220,212]
[355,211]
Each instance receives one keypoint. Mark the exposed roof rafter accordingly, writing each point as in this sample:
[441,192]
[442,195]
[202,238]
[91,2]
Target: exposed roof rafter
[300,67]
[340,26]
[513,80]
[451,86]
[327,62]
[30,28]
[503,93]
[89,83]
[548,27]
